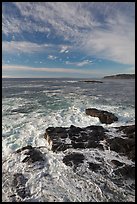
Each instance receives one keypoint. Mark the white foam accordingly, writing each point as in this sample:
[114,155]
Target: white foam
[55,181]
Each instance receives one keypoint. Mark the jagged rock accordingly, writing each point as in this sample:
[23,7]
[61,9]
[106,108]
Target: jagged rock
[19,183]
[33,155]
[19,179]
[73,159]
[128,130]
[116,163]
[22,192]
[104,116]
[61,139]
[94,166]
[126,171]
[126,146]
[24,148]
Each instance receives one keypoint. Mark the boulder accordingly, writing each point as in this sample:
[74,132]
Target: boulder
[19,183]
[104,116]
[116,163]
[125,146]
[94,167]
[128,130]
[73,159]
[61,139]
[33,154]
[126,171]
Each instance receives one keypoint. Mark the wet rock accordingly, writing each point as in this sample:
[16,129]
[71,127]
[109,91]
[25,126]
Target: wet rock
[24,148]
[19,183]
[104,116]
[19,180]
[126,171]
[128,130]
[94,166]
[33,155]
[23,192]
[73,159]
[126,146]
[116,163]
[61,139]
[14,198]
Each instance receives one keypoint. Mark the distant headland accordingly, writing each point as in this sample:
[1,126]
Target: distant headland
[120,76]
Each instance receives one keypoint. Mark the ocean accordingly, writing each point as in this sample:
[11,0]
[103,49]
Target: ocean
[30,106]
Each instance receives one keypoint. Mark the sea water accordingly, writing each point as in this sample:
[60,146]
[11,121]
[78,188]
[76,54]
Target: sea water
[29,106]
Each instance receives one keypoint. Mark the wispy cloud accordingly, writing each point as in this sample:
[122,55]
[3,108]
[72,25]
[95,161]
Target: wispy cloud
[66,72]
[64,49]
[80,64]
[23,46]
[51,57]
[103,29]
[45,69]
[30,47]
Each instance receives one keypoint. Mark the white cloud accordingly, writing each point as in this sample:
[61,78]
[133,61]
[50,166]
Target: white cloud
[80,64]
[29,47]
[111,45]
[64,49]
[5,76]
[52,57]
[45,69]
[103,29]
[85,62]
[23,46]
[6,69]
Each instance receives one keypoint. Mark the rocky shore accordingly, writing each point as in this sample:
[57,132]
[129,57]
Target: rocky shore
[121,76]
[104,116]
[60,139]
[74,141]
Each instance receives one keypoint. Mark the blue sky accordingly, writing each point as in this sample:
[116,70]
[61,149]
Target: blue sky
[67,39]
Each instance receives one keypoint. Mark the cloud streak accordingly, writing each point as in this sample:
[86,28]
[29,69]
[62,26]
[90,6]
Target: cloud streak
[64,71]
[43,69]
[24,46]
[80,64]
[102,29]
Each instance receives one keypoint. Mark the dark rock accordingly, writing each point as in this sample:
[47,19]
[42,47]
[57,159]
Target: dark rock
[94,166]
[116,163]
[126,171]
[61,139]
[128,130]
[19,179]
[19,183]
[33,155]
[24,148]
[123,145]
[73,159]
[23,192]
[92,81]
[104,116]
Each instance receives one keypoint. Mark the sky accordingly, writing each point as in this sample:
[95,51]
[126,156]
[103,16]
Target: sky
[67,39]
